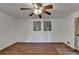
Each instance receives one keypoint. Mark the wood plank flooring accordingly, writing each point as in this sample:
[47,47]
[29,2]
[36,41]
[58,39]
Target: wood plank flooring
[38,49]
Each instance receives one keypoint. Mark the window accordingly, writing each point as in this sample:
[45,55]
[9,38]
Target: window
[37,26]
[47,25]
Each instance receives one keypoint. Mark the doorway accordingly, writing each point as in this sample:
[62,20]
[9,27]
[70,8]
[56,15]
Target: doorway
[77,33]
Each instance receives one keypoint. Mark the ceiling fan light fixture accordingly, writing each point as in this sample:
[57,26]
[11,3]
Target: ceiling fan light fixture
[39,8]
[37,11]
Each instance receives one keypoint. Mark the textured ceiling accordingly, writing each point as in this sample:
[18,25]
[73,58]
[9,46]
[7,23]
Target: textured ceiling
[60,10]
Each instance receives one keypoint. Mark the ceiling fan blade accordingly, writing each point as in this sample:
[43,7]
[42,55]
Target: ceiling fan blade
[47,12]
[25,8]
[40,16]
[48,7]
[31,14]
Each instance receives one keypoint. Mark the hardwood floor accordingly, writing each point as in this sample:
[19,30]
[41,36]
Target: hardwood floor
[38,49]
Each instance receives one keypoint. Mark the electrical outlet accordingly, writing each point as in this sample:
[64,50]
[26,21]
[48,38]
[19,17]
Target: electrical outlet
[68,42]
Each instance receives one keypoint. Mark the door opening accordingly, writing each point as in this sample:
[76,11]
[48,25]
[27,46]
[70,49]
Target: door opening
[77,33]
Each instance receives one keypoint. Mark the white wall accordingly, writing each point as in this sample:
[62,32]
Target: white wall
[25,31]
[7,33]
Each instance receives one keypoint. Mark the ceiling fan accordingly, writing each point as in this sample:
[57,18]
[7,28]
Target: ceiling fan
[39,9]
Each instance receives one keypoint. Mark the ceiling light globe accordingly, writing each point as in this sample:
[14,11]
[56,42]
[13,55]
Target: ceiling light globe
[37,11]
